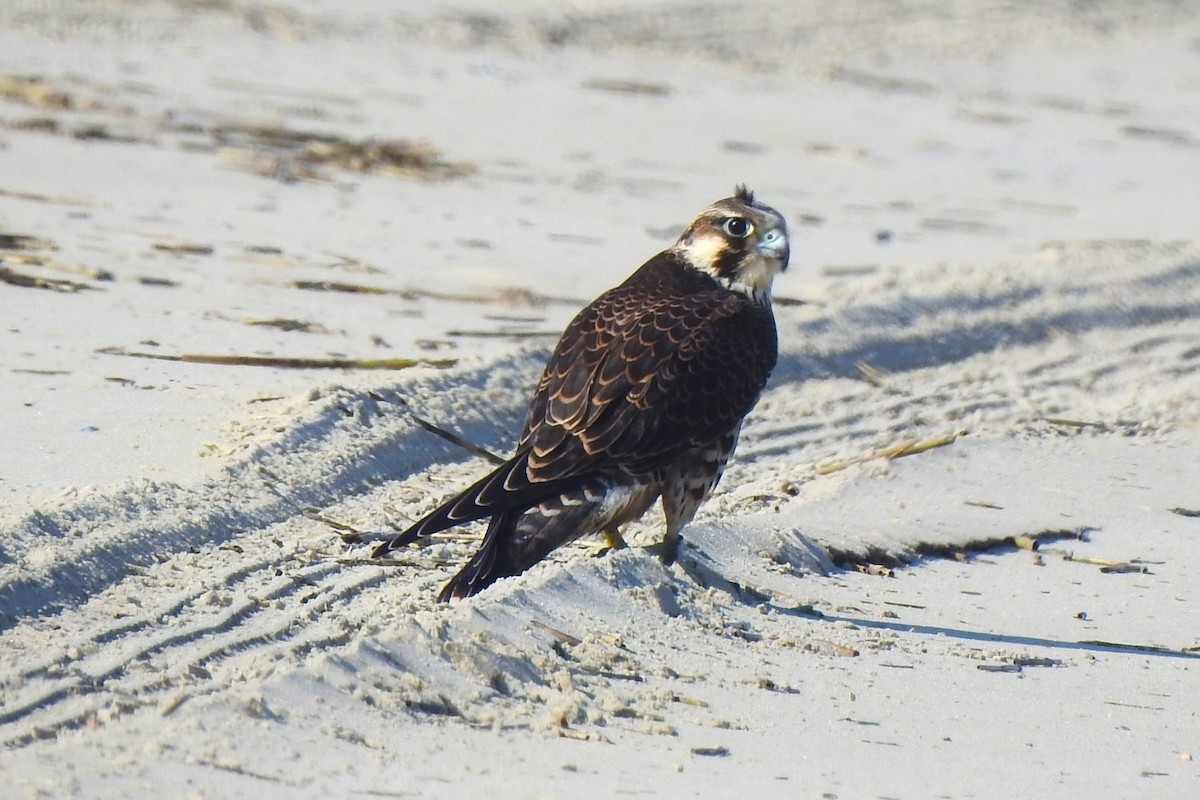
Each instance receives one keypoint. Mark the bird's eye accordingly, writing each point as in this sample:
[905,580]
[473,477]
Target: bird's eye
[737,227]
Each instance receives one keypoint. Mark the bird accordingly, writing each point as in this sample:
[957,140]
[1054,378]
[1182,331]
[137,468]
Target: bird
[642,398]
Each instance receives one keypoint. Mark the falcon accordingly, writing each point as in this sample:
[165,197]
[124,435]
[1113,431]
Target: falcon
[642,398]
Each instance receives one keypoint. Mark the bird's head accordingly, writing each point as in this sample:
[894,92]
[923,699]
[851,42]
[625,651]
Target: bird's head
[740,242]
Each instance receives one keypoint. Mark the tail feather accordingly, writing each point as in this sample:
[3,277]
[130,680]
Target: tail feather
[519,538]
[505,488]
[481,570]
[514,542]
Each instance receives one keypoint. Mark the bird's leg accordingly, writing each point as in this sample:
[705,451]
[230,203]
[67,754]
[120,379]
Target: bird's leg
[668,549]
[612,541]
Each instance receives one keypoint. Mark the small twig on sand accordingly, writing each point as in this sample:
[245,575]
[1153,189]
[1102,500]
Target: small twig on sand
[349,533]
[1106,565]
[560,636]
[1074,423]
[14,278]
[455,439]
[876,377]
[909,447]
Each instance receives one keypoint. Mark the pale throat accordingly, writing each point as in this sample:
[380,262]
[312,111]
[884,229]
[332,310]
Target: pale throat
[755,274]
[755,277]
[702,252]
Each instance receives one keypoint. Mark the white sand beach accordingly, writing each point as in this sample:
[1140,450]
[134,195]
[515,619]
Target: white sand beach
[247,249]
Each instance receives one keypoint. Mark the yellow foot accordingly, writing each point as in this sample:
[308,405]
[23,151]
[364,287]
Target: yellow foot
[612,541]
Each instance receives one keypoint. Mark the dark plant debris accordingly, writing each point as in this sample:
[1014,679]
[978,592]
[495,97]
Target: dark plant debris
[504,297]
[289,325]
[266,149]
[280,152]
[17,241]
[281,362]
[185,248]
[14,278]
[627,86]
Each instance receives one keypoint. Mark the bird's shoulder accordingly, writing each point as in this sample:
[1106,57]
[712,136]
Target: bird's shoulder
[664,289]
[639,358]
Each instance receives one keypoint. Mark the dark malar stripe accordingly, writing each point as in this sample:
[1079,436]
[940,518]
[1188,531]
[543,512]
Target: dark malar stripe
[727,264]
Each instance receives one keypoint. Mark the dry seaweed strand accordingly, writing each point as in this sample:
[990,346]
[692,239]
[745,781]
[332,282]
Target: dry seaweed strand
[294,154]
[880,562]
[1075,423]
[466,334]
[19,241]
[32,91]
[185,248]
[393,561]
[270,150]
[1107,566]
[504,297]
[351,264]
[35,260]
[37,197]
[350,288]
[1121,569]
[710,752]
[283,362]
[35,91]
[347,532]
[14,278]
[14,249]
[622,86]
[289,325]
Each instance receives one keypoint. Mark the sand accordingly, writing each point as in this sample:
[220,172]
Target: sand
[247,248]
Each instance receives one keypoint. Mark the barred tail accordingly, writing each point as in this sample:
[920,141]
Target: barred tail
[516,541]
[505,489]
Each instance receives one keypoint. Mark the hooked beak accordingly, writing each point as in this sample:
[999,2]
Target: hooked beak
[774,244]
